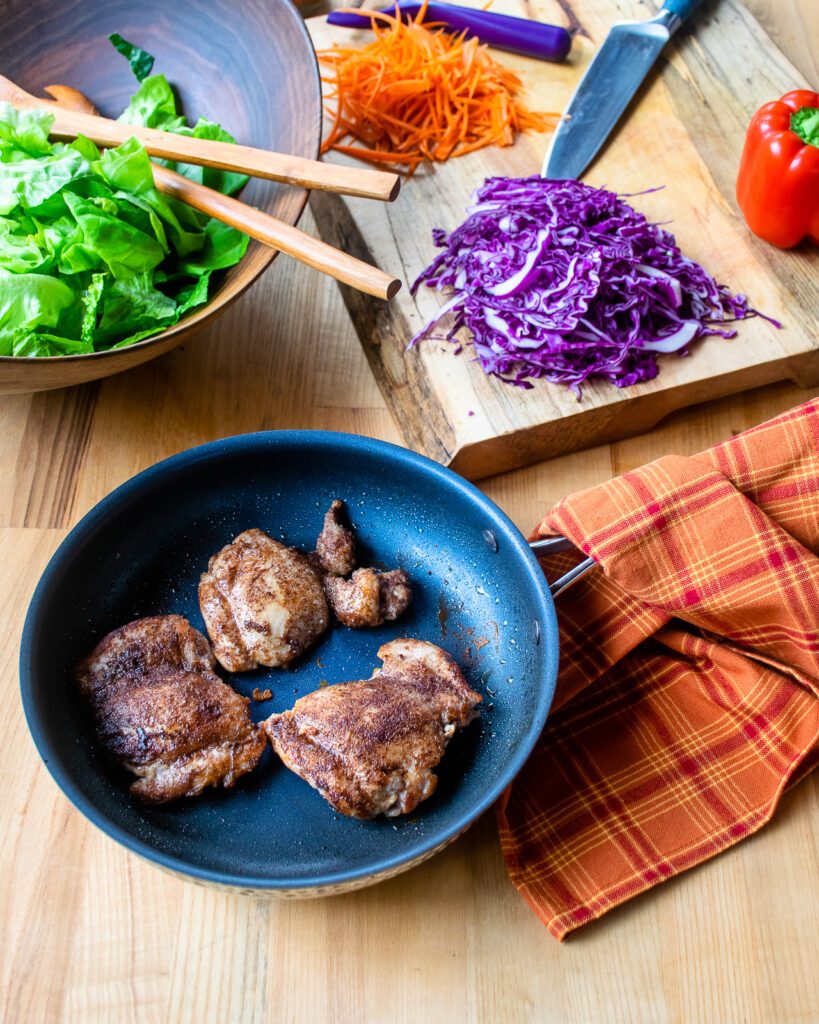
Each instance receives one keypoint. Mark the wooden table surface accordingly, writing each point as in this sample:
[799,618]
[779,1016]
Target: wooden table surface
[90,933]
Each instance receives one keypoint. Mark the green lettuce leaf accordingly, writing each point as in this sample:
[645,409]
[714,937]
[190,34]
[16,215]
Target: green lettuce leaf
[90,303]
[133,305]
[24,130]
[122,247]
[193,295]
[127,168]
[153,105]
[28,301]
[228,182]
[32,343]
[141,62]
[86,147]
[32,180]
[224,247]
[19,250]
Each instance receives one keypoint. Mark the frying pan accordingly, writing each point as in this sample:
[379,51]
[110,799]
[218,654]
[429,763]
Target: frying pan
[478,592]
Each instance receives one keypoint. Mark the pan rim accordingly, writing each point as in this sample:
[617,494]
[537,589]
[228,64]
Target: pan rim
[109,507]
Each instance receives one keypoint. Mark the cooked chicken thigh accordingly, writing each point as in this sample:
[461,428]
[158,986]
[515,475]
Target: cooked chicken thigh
[369,746]
[369,597]
[263,603]
[164,714]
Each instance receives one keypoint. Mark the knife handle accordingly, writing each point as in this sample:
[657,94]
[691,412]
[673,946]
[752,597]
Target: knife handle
[504,32]
[683,9]
[517,35]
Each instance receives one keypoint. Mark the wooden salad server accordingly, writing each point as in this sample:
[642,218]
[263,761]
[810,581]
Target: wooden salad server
[226,156]
[259,225]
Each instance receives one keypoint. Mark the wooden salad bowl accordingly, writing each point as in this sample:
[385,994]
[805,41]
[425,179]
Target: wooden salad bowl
[250,66]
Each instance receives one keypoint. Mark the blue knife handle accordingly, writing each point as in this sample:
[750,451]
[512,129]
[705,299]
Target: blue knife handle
[682,8]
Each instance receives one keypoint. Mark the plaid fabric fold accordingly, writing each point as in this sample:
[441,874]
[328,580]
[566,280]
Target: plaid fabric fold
[688,694]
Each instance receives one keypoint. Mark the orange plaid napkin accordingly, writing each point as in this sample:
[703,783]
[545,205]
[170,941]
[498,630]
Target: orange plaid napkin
[687,695]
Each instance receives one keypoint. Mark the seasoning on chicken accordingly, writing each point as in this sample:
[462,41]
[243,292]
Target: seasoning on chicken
[369,597]
[335,547]
[369,747]
[263,603]
[164,714]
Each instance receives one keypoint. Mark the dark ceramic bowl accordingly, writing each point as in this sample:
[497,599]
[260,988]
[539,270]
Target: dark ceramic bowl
[481,597]
[250,66]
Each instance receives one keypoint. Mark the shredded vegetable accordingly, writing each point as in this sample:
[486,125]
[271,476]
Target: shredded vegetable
[416,94]
[562,281]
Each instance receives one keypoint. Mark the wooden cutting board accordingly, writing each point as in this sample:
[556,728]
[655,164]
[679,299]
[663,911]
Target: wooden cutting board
[685,132]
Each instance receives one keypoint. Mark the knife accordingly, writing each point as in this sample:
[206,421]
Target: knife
[504,32]
[610,82]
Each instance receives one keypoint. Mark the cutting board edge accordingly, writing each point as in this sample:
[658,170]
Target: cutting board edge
[541,442]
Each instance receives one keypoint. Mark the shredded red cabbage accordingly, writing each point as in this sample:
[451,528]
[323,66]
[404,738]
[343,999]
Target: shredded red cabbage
[559,280]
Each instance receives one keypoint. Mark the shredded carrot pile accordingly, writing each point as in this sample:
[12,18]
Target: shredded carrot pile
[416,94]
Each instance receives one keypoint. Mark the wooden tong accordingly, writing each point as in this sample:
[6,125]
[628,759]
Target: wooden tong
[75,114]
[259,163]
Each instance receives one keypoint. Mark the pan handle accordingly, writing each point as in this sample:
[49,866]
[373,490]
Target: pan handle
[571,577]
[551,545]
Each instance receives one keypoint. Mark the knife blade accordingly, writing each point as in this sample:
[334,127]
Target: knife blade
[611,80]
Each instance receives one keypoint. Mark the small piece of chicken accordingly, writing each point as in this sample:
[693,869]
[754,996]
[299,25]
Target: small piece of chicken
[335,547]
[369,597]
[164,714]
[369,746]
[263,603]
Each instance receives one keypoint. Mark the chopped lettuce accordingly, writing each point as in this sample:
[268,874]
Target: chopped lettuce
[29,302]
[154,105]
[92,255]
[140,61]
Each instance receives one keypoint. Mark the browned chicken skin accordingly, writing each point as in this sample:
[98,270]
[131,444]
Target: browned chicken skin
[369,597]
[263,603]
[335,547]
[369,747]
[164,714]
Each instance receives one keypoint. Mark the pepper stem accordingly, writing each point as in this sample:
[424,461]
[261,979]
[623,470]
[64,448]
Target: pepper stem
[805,124]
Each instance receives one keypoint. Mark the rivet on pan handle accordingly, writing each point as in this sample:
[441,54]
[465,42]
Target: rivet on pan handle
[550,546]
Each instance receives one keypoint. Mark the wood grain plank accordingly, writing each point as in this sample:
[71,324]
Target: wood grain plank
[793,26]
[58,429]
[685,132]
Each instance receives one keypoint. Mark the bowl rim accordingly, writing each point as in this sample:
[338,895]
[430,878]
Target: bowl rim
[111,505]
[208,312]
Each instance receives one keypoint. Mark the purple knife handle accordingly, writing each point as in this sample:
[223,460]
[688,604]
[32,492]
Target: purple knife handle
[350,19]
[517,35]
[346,19]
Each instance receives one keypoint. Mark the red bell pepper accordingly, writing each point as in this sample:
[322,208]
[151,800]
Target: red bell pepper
[778,182]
